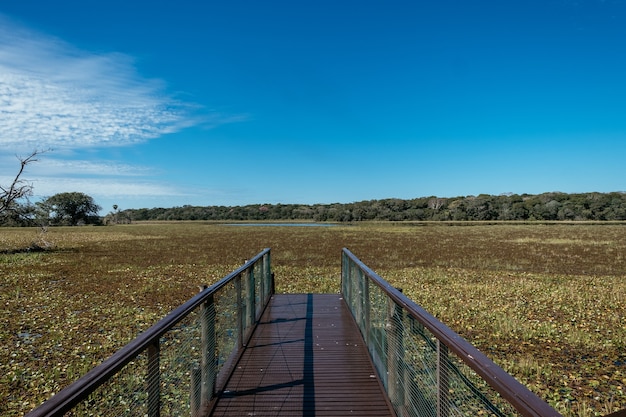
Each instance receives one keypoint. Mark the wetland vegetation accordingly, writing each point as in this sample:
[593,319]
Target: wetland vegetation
[547,302]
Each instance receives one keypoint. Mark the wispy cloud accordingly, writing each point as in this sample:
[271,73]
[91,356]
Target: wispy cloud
[56,167]
[77,103]
[106,188]
[102,179]
[52,94]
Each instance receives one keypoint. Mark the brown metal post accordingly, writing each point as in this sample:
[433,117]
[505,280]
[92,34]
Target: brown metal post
[251,301]
[263,278]
[345,278]
[395,354]
[359,300]
[267,287]
[366,310]
[240,313]
[344,271]
[208,366]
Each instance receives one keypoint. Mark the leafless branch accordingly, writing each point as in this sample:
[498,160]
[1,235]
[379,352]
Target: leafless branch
[18,188]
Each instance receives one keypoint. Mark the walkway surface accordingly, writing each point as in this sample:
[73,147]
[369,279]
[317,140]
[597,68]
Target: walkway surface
[306,358]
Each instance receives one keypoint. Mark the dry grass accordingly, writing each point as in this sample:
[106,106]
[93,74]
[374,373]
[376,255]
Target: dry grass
[546,302]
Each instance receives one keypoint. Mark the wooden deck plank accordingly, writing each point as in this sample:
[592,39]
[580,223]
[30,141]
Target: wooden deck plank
[306,358]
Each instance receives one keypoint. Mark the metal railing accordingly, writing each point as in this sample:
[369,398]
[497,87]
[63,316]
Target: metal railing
[178,365]
[426,368]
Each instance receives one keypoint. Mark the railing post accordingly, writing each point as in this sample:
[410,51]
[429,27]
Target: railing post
[348,285]
[268,278]
[358,293]
[240,313]
[395,354]
[154,380]
[263,279]
[443,383]
[344,273]
[251,301]
[365,291]
[208,366]
[359,300]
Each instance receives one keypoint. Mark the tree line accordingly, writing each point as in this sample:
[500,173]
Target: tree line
[525,207]
[75,208]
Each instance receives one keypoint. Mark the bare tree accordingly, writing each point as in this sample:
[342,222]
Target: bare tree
[19,188]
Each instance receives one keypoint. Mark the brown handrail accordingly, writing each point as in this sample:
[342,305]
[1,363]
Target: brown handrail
[71,395]
[519,396]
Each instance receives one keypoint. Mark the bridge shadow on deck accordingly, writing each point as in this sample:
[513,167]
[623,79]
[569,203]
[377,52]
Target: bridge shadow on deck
[306,358]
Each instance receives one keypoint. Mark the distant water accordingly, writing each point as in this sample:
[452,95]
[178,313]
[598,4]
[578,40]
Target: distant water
[283,224]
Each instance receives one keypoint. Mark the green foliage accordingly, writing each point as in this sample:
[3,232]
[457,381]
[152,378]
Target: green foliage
[116,217]
[525,207]
[70,209]
[545,302]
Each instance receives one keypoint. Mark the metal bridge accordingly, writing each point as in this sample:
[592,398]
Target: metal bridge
[238,349]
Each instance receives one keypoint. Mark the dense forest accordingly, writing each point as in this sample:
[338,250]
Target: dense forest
[525,207]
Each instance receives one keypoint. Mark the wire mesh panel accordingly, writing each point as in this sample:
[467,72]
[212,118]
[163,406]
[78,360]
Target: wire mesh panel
[124,394]
[179,358]
[426,379]
[426,368]
[176,366]
[226,329]
[377,332]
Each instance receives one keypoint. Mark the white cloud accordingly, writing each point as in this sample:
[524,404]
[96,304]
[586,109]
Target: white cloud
[100,179]
[53,167]
[52,95]
[77,103]
[105,188]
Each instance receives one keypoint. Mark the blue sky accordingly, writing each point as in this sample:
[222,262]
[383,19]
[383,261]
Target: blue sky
[161,103]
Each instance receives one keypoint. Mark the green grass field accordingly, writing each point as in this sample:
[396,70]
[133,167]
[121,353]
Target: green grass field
[545,302]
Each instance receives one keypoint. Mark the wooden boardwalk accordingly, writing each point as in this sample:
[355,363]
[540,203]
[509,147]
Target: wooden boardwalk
[306,358]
